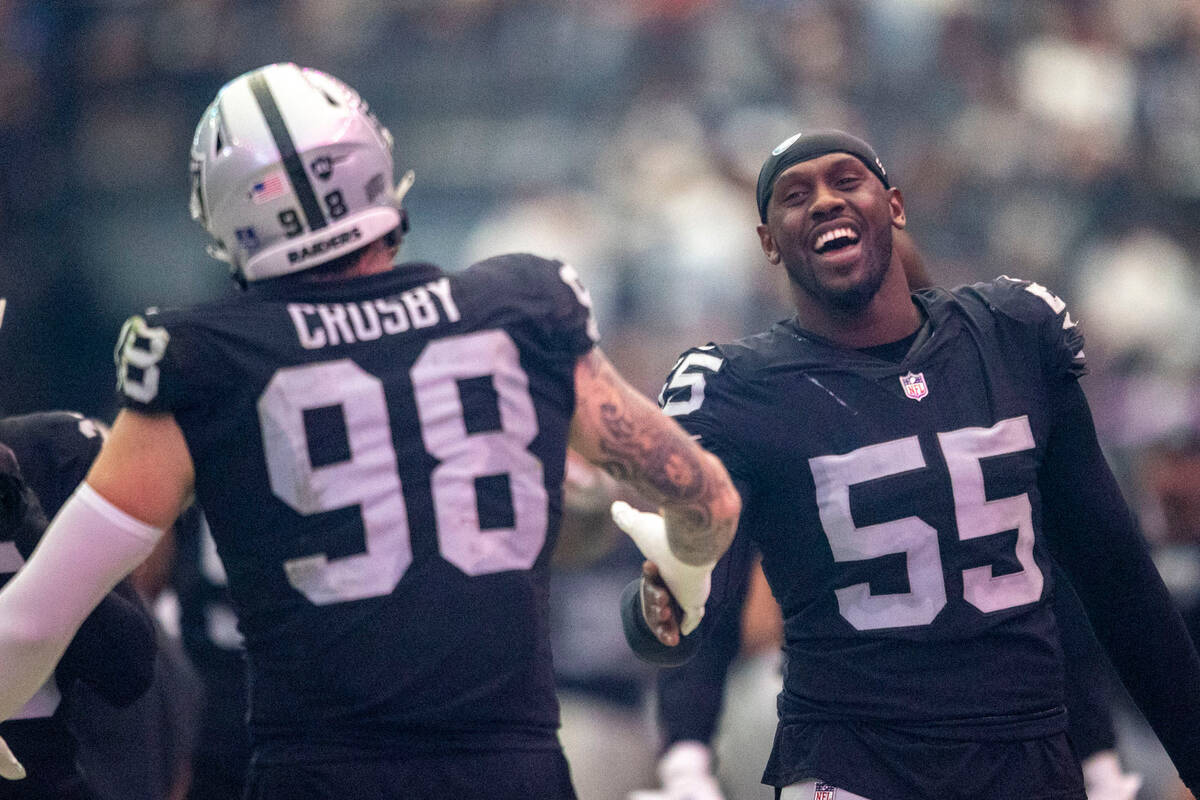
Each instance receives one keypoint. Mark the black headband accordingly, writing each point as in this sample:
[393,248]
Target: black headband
[807,146]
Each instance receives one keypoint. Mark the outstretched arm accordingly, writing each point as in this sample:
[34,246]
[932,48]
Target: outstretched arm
[619,429]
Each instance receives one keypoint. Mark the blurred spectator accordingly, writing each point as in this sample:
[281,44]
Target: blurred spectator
[1171,472]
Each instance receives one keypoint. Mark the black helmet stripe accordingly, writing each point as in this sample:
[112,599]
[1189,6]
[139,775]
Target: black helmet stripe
[287,151]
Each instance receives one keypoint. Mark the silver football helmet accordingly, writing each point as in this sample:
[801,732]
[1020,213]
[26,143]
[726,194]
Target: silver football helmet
[290,169]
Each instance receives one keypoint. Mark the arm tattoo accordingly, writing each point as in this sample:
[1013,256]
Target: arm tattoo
[659,460]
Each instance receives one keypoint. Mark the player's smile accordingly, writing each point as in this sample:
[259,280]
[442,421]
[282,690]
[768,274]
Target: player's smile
[835,237]
[834,242]
[837,243]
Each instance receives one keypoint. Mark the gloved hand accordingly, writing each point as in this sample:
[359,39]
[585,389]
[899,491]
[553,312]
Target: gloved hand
[1104,780]
[689,584]
[10,768]
[685,771]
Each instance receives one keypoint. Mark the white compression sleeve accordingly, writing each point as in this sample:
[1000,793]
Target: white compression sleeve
[88,548]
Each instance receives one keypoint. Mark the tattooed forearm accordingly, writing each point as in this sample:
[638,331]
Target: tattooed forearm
[634,442]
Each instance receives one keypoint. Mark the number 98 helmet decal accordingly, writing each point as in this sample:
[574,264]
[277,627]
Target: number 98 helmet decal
[290,169]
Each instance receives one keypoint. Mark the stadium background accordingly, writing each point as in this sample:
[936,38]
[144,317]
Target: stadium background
[1058,141]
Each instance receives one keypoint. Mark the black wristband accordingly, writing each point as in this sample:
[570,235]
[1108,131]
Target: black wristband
[642,640]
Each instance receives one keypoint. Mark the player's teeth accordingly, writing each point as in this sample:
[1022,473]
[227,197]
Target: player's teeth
[837,233]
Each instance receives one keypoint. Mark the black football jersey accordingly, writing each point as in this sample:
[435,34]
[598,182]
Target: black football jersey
[380,463]
[207,618]
[214,646]
[56,449]
[37,733]
[112,653]
[897,509]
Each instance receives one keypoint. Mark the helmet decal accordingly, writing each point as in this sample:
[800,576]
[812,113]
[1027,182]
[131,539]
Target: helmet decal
[287,152]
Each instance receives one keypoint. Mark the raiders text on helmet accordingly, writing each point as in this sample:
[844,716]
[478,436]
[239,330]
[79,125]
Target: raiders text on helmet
[290,169]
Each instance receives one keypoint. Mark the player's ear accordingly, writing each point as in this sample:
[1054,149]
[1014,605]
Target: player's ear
[767,241]
[896,203]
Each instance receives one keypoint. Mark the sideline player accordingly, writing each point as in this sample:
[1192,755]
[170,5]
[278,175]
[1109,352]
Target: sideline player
[127,750]
[379,453]
[908,464]
[113,652]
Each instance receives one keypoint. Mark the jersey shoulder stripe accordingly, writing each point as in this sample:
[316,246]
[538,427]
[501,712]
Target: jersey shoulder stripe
[1030,305]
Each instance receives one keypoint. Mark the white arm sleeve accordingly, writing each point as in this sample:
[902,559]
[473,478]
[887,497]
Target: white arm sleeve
[88,548]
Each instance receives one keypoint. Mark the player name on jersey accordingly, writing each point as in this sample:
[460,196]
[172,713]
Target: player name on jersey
[327,324]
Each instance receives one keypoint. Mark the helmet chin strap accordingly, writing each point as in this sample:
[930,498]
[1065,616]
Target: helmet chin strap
[238,276]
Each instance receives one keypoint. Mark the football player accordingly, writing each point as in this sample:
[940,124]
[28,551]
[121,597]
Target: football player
[690,697]
[113,652]
[127,750]
[379,453]
[909,463]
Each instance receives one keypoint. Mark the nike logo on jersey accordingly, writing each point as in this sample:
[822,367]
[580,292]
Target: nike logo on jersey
[328,324]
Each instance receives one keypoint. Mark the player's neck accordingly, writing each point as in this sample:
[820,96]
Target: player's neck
[889,317]
[376,258]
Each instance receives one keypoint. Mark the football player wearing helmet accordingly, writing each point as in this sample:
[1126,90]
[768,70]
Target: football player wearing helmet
[379,452]
[909,463]
[112,654]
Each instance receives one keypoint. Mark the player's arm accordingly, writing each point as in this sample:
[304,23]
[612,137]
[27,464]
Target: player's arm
[1095,537]
[619,429]
[1088,698]
[690,696]
[113,652]
[115,646]
[145,468]
[140,481]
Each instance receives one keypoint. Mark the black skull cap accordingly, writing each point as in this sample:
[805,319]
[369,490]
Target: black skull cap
[805,146]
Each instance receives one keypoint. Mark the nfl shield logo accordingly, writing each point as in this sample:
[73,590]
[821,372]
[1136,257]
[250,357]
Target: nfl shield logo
[914,385]
[823,791]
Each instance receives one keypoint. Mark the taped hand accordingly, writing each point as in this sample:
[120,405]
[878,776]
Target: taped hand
[689,584]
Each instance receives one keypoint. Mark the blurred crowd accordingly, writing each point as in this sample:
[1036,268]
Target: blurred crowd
[1057,141]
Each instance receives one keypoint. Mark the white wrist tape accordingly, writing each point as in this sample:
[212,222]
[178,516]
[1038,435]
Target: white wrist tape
[90,545]
[689,583]
[1104,780]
